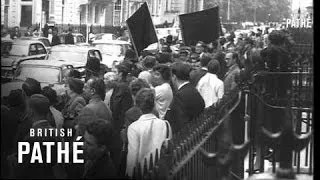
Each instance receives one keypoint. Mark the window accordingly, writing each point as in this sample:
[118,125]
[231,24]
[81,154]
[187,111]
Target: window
[41,49]
[117,5]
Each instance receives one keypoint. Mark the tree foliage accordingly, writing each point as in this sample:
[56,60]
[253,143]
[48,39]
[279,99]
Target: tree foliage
[245,10]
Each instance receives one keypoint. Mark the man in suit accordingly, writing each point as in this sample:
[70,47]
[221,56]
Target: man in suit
[187,102]
[232,75]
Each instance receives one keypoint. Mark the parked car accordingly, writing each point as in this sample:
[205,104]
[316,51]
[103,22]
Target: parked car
[16,51]
[105,37]
[78,38]
[48,73]
[113,51]
[44,40]
[77,54]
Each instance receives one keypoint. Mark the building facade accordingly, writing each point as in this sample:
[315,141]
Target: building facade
[25,13]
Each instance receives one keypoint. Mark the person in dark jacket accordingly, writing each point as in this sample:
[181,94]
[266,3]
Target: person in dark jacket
[98,139]
[69,37]
[55,38]
[187,102]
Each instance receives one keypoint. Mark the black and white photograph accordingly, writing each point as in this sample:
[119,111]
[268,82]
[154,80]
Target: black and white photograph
[157,89]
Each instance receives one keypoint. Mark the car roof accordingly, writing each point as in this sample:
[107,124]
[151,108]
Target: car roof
[110,42]
[26,41]
[32,38]
[73,47]
[52,63]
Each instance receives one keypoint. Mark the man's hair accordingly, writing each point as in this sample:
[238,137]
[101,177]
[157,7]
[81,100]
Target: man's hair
[149,61]
[50,94]
[136,85]
[181,70]
[31,86]
[205,59]
[214,66]
[164,70]
[145,100]
[102,130]
[99,86]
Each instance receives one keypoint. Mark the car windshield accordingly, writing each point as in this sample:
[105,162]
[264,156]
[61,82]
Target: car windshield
[68,55]
[51,75]
[14,49]
[111,49]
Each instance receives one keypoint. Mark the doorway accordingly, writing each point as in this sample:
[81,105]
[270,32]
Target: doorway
[26,16]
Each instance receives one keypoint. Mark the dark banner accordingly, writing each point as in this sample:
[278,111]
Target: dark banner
[141,28]
[200,26]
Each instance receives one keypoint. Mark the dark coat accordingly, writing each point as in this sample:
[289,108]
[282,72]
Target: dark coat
[69,39]
[96,109]
[55,40]
[120,102]
[187,104]
[103,168]
[196,75]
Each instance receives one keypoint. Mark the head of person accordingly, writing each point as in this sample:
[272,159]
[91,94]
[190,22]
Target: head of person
[50,31]
[149,62]
[74,86]
[205,59]
[55,31]
[50,94]
[231,59]
[214,66]
[16,98]
[31,86]
[122,70]
[38,107]
[199,48]
[180,73]
[164,57]
[110,80]
[254,59]
[160,74]
[169,39]
[95,87]
[136,85]
[131,56]
[98,138]
[16,28]
[145,100]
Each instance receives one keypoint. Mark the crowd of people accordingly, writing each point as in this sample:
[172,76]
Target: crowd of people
[51,33]
[128,113]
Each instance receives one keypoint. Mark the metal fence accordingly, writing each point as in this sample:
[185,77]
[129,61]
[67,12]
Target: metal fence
[240,117]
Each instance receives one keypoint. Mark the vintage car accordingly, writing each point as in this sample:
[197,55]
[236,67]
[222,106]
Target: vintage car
[113,51]
[104,37]
[78,38]
[16,51]
[44,40]
[77,54]
[48,73]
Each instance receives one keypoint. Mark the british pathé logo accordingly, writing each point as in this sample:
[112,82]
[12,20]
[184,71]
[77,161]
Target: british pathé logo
[62,148]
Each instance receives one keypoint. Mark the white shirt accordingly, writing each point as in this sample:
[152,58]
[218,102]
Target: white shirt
[163,98]
[211,89]
[50,38]
[145,136]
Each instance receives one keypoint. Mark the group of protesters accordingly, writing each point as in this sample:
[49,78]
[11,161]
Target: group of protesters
[124,115]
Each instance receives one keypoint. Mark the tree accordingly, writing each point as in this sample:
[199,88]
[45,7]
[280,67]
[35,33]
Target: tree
[245,10]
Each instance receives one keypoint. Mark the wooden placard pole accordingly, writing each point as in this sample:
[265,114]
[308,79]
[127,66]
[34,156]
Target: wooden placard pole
[135,48]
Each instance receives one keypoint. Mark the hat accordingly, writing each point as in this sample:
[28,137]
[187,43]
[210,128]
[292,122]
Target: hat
[50,94]
[124,66]
[31,86]
[76,85]
[39,103]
